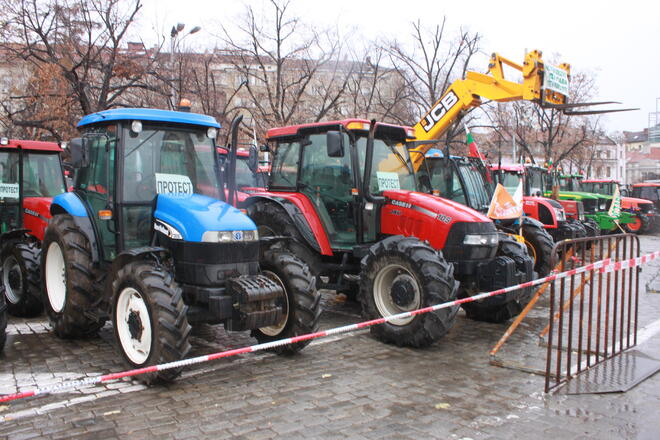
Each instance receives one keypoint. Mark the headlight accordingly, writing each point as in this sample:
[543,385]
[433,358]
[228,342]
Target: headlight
[561,215]
[481,240]
[229,236]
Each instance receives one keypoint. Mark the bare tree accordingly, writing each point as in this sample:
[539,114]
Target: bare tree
[547,135]
[431,65]
[79,42]
[290,73]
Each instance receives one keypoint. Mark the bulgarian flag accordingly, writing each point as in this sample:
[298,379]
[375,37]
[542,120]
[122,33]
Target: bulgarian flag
[474,152]
[472,145]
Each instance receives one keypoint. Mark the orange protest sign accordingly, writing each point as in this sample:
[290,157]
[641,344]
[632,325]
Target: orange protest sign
[503,206]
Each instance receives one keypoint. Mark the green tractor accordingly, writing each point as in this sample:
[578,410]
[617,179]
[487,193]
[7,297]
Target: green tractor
[570,189]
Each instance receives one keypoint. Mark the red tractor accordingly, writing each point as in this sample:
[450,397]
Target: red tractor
[345,195]
[30,176]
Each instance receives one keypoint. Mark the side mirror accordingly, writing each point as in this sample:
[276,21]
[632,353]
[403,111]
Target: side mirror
[253,159]
[264,148]
[335,144]
[79,152]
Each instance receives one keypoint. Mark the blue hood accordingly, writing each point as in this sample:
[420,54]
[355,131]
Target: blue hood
[195,214]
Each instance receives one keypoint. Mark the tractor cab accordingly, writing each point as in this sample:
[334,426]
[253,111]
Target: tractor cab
[30,176]
[458,179]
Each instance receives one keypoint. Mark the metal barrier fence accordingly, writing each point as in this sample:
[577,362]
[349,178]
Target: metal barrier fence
[593,315]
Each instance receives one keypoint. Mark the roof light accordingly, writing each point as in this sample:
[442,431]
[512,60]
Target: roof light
[4,141]
[136,127]
[358,126]
[211,133]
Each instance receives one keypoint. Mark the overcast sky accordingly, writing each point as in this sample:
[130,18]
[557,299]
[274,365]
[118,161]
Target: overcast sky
[618,41]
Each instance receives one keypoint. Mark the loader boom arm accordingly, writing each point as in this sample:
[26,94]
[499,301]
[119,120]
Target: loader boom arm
[468,93]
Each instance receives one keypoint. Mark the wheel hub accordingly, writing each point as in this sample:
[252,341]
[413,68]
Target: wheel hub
[14,278]
[135,326]
[403,290]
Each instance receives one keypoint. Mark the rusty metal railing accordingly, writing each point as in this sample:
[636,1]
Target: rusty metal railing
[593,315]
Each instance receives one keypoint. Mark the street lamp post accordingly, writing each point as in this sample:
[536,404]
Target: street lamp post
[174,33]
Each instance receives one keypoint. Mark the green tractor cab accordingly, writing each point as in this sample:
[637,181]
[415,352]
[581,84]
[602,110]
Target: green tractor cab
[596,206]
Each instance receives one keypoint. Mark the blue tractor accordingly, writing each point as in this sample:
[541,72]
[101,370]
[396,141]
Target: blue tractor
[146,240]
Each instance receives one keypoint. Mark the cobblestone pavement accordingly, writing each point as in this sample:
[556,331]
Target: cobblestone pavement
[343,387]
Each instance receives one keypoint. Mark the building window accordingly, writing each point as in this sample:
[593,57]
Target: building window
[609,171]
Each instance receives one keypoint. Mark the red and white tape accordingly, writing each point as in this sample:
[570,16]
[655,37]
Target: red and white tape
[606,265]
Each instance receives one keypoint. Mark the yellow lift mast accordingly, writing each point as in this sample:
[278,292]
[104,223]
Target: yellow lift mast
[468,93]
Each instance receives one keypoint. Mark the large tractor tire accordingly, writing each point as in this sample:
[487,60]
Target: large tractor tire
[539,246]
[149,318]
[68,280]
[580,230]
[591,227]
[401,274]
[20,279]
[301,306]
[3,322]
[271,220]
[497,311]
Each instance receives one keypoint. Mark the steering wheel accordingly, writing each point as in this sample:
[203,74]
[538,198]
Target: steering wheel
[145,188]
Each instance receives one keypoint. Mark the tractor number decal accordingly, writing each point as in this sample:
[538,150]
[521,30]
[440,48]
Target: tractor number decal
[9,190]
[440,109]
[173,184]
[444,218]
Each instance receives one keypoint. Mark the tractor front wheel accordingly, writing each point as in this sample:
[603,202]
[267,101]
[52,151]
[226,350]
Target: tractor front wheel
[402,274]
[539,246]
[68,278]
[635,226]
[301,305]
[149,318]
[19,281]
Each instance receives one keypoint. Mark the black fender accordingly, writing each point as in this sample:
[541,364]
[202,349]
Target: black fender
[532,221]
[155,253]
[295,214]
[22,234]
[85,225]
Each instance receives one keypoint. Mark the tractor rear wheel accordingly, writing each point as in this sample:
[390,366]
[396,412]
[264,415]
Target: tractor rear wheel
[402,274]
[271,220]
[489,311]
[68,279]
[301,306]
[19,282]
[3,322]
[149,318]
[539,246]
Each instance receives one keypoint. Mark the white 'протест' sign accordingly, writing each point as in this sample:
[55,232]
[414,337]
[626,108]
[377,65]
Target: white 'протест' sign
[173,184]
[555,79]
[9,190]
[387,181]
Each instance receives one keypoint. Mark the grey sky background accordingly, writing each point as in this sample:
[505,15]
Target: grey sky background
[617,41]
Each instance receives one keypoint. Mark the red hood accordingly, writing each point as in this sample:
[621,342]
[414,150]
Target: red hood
[438,205]
[629,202]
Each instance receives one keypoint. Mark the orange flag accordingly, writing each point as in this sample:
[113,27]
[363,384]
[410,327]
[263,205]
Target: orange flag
[503,206]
